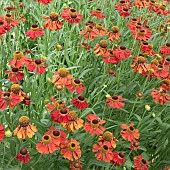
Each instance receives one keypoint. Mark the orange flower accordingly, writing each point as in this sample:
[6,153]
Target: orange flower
[25,128]
[71,149]
[101,29]
[62,77]
[101,48]
[160,96]
[104,151]
[47,145]
[140,64]
[95,125]
[89,32]
[165,49]
[52,22]
[108,136]
[57,104]
[147,48]
[19,60]
[57,135]
[129,132]
[113,34]
[140,163]
[74,124]
[122,52]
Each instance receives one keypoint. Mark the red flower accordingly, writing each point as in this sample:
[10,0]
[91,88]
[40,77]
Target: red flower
[10,22]
[160,96]
[122,53]
[118,158]
[110,57]
[19,60]
[2,27]
[15,75]
[141,4]
[142,33]
[165,49]
[95,125]
[160,71]
[79,102]
[7,98]
[57,135]
[2,132]
[62,77]
[76,85]
[37,65]
[147,48]
[161,9]
[71,15]
[98,13]
[23,156]
[104,151]
[52,22]
[57,104]
[140,163]
[122,4]
[47,145]
[89,32]
[34,32]
[76,165]
[124,12]
[61,115]
[44,2]
[71,149]
[115,102]
[129,132]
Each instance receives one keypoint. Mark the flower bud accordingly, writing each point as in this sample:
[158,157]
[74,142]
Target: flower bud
[8,133]
[147,107]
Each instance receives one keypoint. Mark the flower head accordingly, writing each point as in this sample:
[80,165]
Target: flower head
[76,165]
[76,85]
[37,65]
[47,145]
[52,22]
[71,149]
[61,115]
[98,13]
[25,128]
[118,158]
[15,75]
[62,77]
[140,163]
[104,151]
[80,102]
[115,101]
[23,156]
[71,15]
[129,132]
[34,32]
[74,124]
[94,126]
